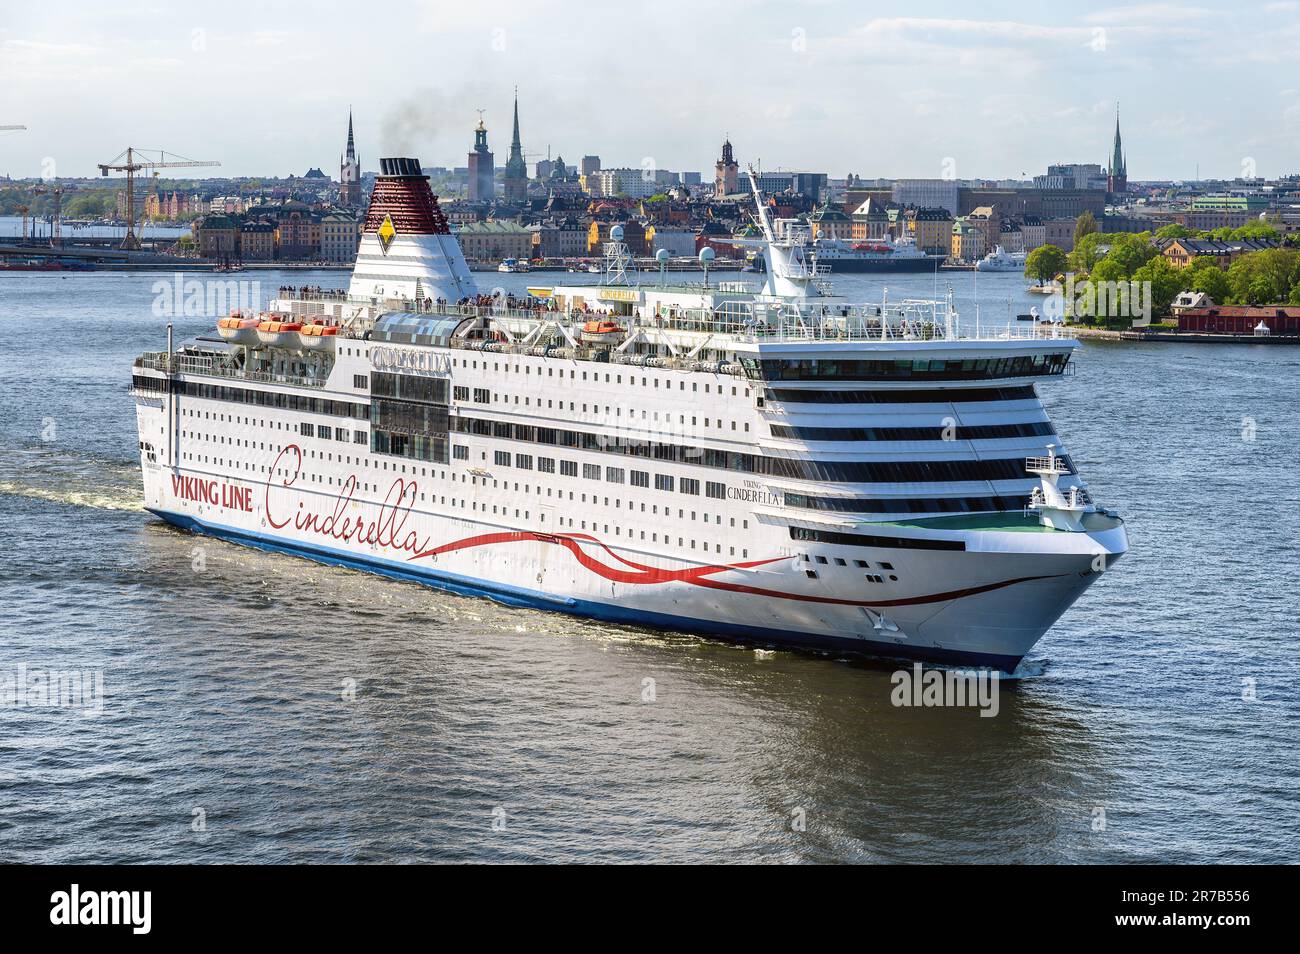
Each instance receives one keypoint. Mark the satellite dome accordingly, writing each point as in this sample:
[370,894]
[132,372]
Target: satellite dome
[707,255]
[663,255]
[616,234]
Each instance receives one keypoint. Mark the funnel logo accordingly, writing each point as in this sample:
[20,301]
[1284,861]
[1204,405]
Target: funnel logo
[386,233]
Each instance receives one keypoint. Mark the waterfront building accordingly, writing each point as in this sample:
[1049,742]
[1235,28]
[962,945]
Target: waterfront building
[490,242]
[1241,320]
[1187,300]
[217,237]
[257,241]
[1181,252]
[829,222]
[633,236]
[988,218]
[931,229]
[969,241]
[482,170]
[1033,234]
[340,231]
[566,238]
[297,233]
[870,221]
[1011,237]
[679,242]
[350,173]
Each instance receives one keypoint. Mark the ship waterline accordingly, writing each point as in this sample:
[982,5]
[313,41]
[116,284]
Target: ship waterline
[769,465]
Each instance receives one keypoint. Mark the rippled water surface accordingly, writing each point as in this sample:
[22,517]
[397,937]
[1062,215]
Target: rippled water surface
[227,671]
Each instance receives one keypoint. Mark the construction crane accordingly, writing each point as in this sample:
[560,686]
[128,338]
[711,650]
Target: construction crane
[141,160]
[56,223]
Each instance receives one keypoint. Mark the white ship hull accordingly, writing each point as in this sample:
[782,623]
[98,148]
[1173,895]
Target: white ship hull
[989,611]
[519,544]
[768,469]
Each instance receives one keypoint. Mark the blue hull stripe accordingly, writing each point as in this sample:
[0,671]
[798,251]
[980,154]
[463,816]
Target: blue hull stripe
[590,609]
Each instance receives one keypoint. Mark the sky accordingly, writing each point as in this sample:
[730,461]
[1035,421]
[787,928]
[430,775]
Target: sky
[989,90]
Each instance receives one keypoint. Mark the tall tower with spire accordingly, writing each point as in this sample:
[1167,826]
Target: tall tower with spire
[516,177]
[350,173]
[724,180]
[1117,171]
[482,168]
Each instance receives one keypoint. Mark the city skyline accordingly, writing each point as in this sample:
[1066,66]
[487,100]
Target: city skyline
[839,88]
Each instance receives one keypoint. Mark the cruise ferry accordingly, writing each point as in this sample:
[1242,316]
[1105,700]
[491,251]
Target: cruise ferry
[873,255]
[768,464]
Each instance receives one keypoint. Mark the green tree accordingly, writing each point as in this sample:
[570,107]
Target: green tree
[1211,279]
[1166,282]
[1131,251]
[1254,230]
[1109,270]
[1087,252]
[1174,230]
[1045,263]
[1085,224]
[1260,278]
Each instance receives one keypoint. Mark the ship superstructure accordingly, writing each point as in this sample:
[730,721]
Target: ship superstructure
[770,464]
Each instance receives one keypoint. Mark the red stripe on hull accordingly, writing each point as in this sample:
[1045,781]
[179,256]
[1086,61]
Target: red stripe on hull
[698,575]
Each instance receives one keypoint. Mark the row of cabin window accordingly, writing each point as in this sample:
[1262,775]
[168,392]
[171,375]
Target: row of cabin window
[307,429]
[595,376]
[794,468]
[483,396]
[613,475]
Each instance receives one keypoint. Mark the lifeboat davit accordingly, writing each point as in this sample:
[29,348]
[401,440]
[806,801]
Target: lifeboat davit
[238,330]
[278,334]
[317,336]
[601,331]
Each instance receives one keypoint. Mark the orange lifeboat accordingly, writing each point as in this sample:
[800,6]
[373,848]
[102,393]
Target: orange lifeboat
[278,334]
[317,336]
[601,331]
[237,329]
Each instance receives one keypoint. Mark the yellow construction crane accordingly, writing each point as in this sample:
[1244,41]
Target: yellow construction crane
[141,160]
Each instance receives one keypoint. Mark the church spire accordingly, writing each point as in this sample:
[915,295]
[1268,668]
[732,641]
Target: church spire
[1117,153]
[352,146]
[515,148]
[1117,172]
[516,177]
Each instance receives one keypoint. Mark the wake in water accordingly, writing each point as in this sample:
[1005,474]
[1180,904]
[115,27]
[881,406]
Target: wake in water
[105,499]
[60,475]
